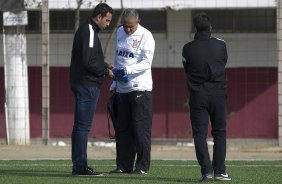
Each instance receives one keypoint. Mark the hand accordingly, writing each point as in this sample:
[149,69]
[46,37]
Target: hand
[110,66]
[111,74]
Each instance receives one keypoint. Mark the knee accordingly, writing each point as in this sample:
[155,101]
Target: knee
[82,126]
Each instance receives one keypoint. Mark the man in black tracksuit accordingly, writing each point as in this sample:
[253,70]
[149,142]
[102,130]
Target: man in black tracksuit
[87,71]
[204,61]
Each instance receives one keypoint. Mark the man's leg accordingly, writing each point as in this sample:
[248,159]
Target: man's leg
[85,105]
[141,104]
[124,139]
[199,119]
[218,120]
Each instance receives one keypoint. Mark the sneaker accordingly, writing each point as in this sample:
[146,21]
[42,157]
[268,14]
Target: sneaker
[88,171]
[117,171]
[138,171]
[222,177]
[206,177]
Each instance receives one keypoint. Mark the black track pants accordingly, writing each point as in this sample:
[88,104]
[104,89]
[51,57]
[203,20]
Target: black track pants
[203,107]
[133,131]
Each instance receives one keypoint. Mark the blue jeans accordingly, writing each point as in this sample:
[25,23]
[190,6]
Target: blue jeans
[86,98]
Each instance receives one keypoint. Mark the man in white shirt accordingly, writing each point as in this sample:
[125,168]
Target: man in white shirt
[135,47]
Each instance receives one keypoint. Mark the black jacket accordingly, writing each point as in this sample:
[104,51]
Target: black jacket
[87,60]
[204,61]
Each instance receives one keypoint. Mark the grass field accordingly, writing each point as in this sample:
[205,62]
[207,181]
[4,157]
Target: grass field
[162,172]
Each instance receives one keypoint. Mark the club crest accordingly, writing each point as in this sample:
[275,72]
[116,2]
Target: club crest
[135,43]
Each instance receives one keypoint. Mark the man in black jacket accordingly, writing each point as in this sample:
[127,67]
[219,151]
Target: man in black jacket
[204,61]
[87,71]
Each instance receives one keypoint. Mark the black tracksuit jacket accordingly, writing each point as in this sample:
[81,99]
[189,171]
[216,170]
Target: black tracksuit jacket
[204,61]
[87,60]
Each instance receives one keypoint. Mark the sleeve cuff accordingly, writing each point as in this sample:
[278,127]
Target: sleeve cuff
[113,86]
[128,70]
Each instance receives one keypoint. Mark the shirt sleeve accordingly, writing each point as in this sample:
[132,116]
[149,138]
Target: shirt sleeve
[114,83]
[147,52]
[90,53]
[185,62]
[225,54]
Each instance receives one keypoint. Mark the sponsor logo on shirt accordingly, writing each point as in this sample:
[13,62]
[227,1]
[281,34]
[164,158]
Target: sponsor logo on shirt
[125,54]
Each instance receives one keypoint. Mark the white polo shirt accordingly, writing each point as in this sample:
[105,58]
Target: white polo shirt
[134,52]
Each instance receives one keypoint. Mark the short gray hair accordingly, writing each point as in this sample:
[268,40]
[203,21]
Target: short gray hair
[129,13]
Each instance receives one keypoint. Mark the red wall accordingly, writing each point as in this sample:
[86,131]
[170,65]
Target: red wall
[252,104]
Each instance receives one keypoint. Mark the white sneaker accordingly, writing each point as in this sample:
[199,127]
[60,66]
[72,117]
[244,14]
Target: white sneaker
[222,177]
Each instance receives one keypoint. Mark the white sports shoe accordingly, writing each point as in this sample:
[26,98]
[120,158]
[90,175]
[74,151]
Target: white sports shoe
[222,177]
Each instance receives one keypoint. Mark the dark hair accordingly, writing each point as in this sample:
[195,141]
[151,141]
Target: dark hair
[202,22]
[103,9]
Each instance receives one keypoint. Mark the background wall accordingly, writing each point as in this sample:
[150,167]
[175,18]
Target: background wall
[252,84]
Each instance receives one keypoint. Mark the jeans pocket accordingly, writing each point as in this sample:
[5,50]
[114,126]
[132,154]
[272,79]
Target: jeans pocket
[94,91]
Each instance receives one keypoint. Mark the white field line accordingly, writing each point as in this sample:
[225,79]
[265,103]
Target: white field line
[112,165]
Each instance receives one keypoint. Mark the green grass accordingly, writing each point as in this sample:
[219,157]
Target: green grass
[162,172]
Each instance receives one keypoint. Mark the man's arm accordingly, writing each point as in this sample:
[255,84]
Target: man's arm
[225,54]
[89,54]
[184,61]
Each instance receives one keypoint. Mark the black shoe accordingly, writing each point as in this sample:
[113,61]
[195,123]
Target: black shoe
[222,177]
[118,171]
[206,177]
[138,171]
[88,171]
